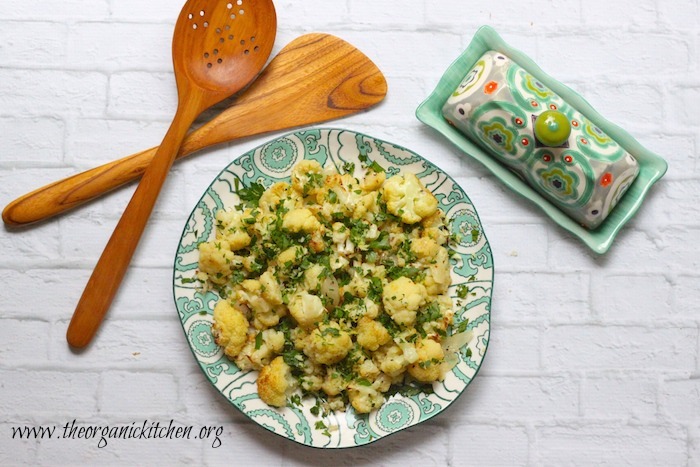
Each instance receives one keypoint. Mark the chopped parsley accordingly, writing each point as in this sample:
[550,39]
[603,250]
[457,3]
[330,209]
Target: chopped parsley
[250,196]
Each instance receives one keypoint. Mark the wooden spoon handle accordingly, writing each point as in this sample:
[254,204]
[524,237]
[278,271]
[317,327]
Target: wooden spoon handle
[112,265]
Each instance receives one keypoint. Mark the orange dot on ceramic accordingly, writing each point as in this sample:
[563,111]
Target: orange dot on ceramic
[606,179]
[525,141]
[553,107]
[490,87]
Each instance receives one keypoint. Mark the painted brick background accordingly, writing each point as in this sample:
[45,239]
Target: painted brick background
[593,360]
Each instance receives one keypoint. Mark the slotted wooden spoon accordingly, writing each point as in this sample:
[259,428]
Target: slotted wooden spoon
[315,78]
[218,48]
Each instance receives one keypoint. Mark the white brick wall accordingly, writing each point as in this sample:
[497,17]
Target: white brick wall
[593,360]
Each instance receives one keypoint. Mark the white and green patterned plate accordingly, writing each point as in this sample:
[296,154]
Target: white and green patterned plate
[272,162]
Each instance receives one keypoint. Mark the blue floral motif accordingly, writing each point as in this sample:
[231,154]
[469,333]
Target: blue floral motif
[279,155]
[394,415]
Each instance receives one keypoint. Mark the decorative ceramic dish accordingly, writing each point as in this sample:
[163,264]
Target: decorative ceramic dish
[472,265]
[651,166]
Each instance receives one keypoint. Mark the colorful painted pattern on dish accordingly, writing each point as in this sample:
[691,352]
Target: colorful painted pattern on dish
[471,266]
[496,104]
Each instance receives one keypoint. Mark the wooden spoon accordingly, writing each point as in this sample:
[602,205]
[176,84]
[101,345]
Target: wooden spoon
[315,78]
[218,48]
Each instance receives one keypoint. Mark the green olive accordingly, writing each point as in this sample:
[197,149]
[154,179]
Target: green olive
[552,128]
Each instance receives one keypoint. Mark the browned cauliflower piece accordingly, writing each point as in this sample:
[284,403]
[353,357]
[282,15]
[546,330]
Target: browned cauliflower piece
[216,260]
[307,177]
[371,334]
[328,344]
[230,328]
[276,383]
[428,366]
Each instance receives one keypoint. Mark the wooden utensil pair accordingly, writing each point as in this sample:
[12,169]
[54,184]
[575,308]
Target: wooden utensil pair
[315,78]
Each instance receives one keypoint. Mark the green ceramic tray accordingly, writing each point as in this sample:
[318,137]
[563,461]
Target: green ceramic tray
[652,167]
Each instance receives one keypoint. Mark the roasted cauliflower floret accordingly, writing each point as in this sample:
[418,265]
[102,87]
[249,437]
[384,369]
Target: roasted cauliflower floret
[279,194]
[328,344]
[231,227]
[407,198]
[402,298]
[434,227]
[216,260]
[306,309]
[311,379]
[265,314]
[428,366]
[364,205]
[358,285]
[307,177]
[301,220]
[373,180]
[314,277]
[276,383]
[339,194]
[230,328]
[270,288]
[390,359]
[371,334]
[424,247]
[438,278]
[441,314]
[333,383]
[291,256]
[364,398]
[261,348]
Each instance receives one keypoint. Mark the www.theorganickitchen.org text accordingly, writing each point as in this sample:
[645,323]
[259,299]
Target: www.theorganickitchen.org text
[102,434]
